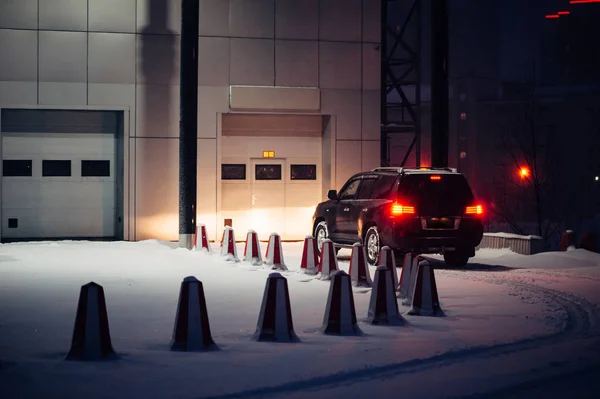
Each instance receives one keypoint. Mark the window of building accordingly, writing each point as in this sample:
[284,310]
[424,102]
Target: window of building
[230,171]
[16,167]
[267,172]
[53,168]
[303,172]
[95,168]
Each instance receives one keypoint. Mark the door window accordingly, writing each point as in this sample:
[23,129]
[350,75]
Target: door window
[56,168]
[383,187]
[268,172]
[366,188]
[349,192]
[16,167]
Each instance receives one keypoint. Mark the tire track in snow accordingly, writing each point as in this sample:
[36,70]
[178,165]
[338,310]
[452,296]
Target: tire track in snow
[582,319]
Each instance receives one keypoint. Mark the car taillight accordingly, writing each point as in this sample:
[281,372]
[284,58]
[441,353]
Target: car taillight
[398,209]
[474,210]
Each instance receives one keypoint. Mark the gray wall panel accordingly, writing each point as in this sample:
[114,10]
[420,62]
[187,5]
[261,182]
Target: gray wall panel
[340,20]
[164,17]
[62,93]
[340,65]
[371,119]
[214,17]
[252,18]
[371,67]
[211,100]
[372,21]
[296,63]
[157,111]
[252,62]
[297,19]
[19,55]
[18,93]
[157,189]
[63,15]
[111,58]
[157,59]
[19,14]
[346,105]
[112,16]
[213,61]
[63,56]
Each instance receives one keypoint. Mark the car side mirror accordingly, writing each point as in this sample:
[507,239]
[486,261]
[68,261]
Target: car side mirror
[332,195]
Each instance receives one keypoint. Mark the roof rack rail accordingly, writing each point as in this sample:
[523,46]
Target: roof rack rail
[400,169]
[397,169]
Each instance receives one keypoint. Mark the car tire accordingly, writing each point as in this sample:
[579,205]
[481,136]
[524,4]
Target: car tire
[372,245]
[320,234]
[456,258]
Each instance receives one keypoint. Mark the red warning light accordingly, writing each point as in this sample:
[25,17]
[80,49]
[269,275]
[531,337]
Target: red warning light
[584,1]
[552,16]
[564,12]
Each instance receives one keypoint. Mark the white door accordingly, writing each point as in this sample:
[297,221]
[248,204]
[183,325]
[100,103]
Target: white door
[268,197]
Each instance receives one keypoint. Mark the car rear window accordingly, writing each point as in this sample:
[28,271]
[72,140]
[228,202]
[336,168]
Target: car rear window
[448,188]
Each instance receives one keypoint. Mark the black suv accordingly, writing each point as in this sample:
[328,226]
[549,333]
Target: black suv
[425,210]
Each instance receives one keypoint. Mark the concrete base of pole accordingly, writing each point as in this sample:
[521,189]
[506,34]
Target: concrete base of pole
[186,241]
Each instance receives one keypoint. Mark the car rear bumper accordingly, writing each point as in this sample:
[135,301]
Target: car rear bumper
[409,235]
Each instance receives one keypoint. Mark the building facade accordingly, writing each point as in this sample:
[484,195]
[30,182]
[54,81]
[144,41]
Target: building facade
[288,107]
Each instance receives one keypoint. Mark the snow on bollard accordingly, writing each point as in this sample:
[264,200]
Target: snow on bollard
[203,245]
[386,258]
[252,249]
[328,263]
[425,297]
[340,314]
[414,268]
[359,271]
[192,330]
[228,249]
[310,257]
[405,276]
[383,305]
[91,335]
[275,318]
[274,255]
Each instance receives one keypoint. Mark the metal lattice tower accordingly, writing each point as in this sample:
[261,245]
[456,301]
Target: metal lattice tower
[401,76]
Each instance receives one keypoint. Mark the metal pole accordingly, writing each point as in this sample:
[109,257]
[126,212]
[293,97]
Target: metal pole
[383,144]
[188,123]
[439,83]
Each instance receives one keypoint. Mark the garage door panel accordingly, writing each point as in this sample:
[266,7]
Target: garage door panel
[48,195]
[33,223]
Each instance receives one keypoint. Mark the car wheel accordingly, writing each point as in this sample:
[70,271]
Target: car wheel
[372,245]
[321,233]
[456,258]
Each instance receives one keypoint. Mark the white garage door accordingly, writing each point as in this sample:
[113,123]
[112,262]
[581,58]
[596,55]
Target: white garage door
[58,185]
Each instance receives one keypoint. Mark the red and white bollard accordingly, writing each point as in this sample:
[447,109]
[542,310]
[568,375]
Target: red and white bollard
[425,300]
[228,248]
[359,271]
[386,258]
[91,335]
[192,330]
[340,314]
[406,275]
[310,257]
[383,305]
[328,263]
[274,255]
[252,253]
[201,239]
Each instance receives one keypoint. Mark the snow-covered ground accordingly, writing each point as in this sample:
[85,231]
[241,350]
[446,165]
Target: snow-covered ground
[515,326]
